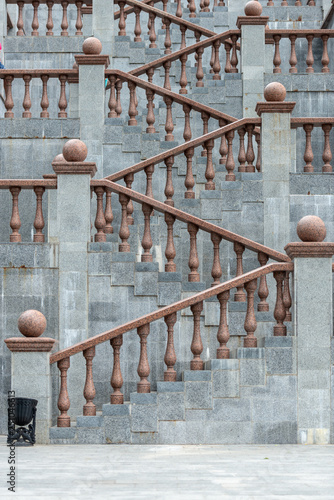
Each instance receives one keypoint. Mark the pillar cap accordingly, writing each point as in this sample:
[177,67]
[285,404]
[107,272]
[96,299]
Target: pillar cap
[92,45]
[311,228]
[72,161]
[31,323]
[274,94]
[253,11]
[92,48]
[312,231]
[253,8]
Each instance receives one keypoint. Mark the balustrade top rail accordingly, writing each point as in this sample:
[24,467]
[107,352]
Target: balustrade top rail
[28,183]
[37,73]
[315,121]
[299,33]
[130,10]
[167,310]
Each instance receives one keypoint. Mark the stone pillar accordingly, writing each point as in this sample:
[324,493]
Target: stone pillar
[313,312]
[104,24]
[252,58]
[92,99]
[276,164]
[73,222]
[30,369]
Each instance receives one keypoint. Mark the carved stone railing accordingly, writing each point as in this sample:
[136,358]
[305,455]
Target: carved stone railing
[308,125]
[297,3]
[49,24]
[9,75]
[309,36]
[249,281]
[38,186]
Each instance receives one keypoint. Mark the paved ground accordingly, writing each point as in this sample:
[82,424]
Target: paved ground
[170,472]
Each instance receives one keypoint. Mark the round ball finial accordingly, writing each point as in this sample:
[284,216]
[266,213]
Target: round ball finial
[311,228]
[274,91]
[92,46]
[253,8]
[32,323]
[59,158]
[75,150]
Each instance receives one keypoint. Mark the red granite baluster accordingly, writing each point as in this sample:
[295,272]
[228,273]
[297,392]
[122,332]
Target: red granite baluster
[242,153]
[137,30]
[100,221]
[132,104]
[293,56]
[62,99]
[39,220]
[250,156]
[196,345]
[26,100]
[201,5]
[192,8]
[150,118]
[258,160]
[298,3]
[124,231]
[168,41]
[308,156]
[128,179]
[287,297]
[169,126]
[178,12]
[239,249]
[221,3]
[170,356]
[183,77]
[146,241]
[164,8]
[216,64]
[116,381]
[15,221]
[169,189]
[150,74]
[167,66]
[277,58]
[206,6]
[209,172]
[325,57]
[9,103]
[64,22]
[35,23]
[153,35]
[234,57]
[284,3]
[44,101]
[250,321]
[228,66]
[20,22]
[170,253]
[78,23]
[223,145]
[309,57]
[263,291]
[216,271]
[193,262]
[108,215]
[280,312]
[327,154]
[223,334]
[187,129]
[121,22]
[183,30]
[89,408]
[118,98]
[63,400]
[189,180]
[230,176]
[143,366]
[199,71]
[49,23]
[112,98]
[205,119]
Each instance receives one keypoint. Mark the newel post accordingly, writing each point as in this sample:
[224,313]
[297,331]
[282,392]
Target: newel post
[276,164]
[30,369]
[252,27]
[313,313]
[104,25]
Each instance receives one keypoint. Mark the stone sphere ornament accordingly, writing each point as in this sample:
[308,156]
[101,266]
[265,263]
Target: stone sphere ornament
[59,159]
[32,323]
[253,8]
[92,46]
[274,91]
[311,229]
[75,150]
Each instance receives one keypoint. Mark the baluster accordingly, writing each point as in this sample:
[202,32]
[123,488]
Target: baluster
[149,175]
[150,118]
[327,154]
[146,241]
[62,99]
[287,297]
[124,231]
[221,3]
[183,30]
[170,356]
[284,3]
[250,156]
[150,74]
[167,66]
[216,65]
[193,262]
[168,41]
[234,56]
[89,408]
[78,23]
[128,179]
[170,253]
[298,3]
[187,129]
[183,78]
[143,366]
[100,222]
[228,66]
[169,126]
[35,23]
[39,220]
[132,104]
[64,22]
[212,59]
[137,25]
[108,215]
[309,57]
[201,5]
[223,334]
[263,291]
[230,176]
[121,22]
[169,189]
[116,381]
[164,8]
[308,156]
[20,22]
[209,172]
[153,35]
[112,98]
[277,58]
[280,312]
[189,180]
[199,71]
[118,98]
[216,271]
[26,100]
[178,12]
[242,153]
[250,321]
[239,249]
[205,119]
[192,8]
[258,160]
[15,221]
[223,145]
[293,56]
[49,23]
[63,420]
[44,101]
[206,6]
[196,345]
[325,57]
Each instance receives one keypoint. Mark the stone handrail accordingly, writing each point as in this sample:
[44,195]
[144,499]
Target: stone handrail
[130,10]
[284,3]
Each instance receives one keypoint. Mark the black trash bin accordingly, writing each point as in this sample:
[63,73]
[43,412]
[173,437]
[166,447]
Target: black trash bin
[21,412]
